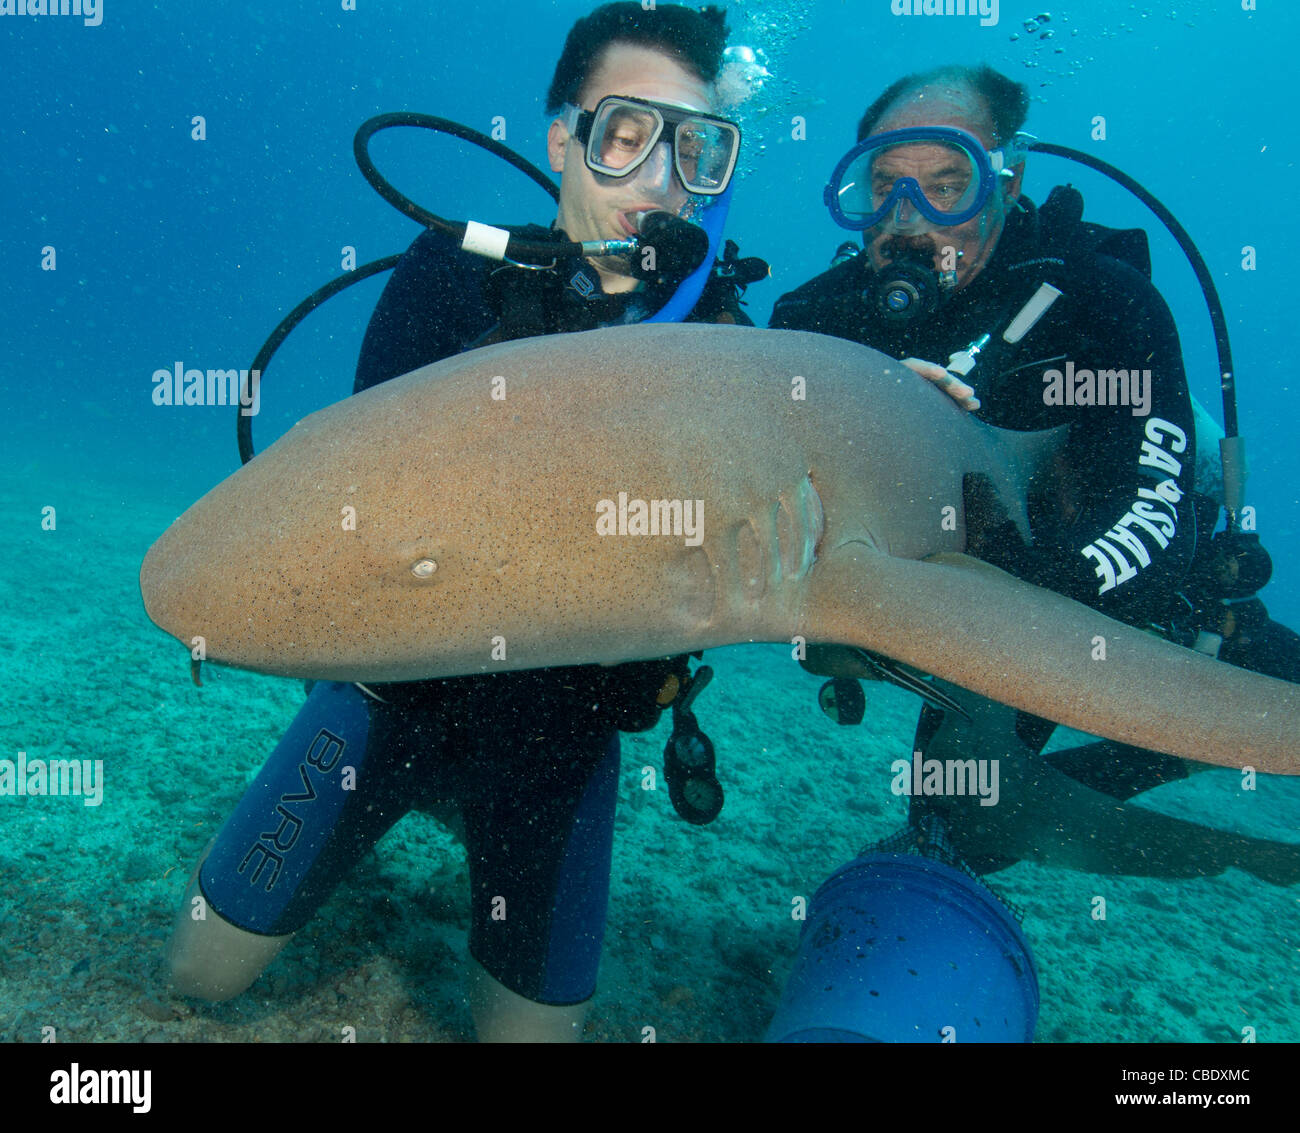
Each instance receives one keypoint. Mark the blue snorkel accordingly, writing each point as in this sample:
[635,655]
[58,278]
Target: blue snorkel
[689,290]
[743,73]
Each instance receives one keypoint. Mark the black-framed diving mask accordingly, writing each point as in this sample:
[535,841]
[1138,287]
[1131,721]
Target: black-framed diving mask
[622,134]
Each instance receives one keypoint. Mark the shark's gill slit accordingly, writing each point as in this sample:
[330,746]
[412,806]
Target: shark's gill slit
[814,521]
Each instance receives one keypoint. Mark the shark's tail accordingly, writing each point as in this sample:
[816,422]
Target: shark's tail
[972,624]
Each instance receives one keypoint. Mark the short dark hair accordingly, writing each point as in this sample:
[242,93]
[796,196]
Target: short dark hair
[694,39]
[1007,101]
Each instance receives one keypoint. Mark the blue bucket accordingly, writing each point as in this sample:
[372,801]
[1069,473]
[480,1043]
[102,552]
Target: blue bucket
[900,948]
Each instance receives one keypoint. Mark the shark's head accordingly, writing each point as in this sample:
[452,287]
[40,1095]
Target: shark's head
[314,559]
[420,529]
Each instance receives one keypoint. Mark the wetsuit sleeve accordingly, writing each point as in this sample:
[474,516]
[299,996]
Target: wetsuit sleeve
[785,313]
[831,303]
[1116,529]
[727,310]
[432,307]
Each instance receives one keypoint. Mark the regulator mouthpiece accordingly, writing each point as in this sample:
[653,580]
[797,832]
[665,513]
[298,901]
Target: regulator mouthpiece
[669,248]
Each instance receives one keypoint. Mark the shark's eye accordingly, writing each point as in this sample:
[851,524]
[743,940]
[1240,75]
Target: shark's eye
[424,568]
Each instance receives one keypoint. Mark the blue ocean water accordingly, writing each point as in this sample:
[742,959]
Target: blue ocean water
[171,249]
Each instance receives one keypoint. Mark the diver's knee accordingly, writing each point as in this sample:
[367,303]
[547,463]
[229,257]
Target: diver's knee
[212,959]
[504,1016]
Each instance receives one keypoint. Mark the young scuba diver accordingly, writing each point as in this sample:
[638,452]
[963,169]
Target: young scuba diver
[526,762]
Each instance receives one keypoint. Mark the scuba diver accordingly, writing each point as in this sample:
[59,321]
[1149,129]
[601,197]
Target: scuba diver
[922,289]
[1027,304]
[525,762]
[957,264]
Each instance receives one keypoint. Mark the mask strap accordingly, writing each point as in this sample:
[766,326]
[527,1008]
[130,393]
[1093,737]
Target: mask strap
[1005,158]
[569,115]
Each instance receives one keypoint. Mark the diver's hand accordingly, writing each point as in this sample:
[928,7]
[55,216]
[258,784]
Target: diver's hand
[954,387]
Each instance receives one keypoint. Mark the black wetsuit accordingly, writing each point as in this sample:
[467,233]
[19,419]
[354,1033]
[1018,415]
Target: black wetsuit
[1115,527]
[530,759]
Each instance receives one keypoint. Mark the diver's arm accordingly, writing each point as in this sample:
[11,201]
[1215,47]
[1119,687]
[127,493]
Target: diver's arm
[1117,531]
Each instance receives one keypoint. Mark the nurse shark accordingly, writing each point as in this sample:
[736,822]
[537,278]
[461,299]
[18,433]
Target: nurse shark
[652,490]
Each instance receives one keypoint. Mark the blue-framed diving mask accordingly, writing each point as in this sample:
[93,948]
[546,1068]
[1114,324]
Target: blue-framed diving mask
[914,180]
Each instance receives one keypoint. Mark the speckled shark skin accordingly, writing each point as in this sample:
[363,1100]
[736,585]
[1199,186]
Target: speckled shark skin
[483,514]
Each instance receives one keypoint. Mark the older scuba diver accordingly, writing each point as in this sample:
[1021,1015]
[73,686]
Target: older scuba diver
[1046,321]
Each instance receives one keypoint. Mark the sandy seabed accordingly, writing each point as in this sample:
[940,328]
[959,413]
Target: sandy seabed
[699,939]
